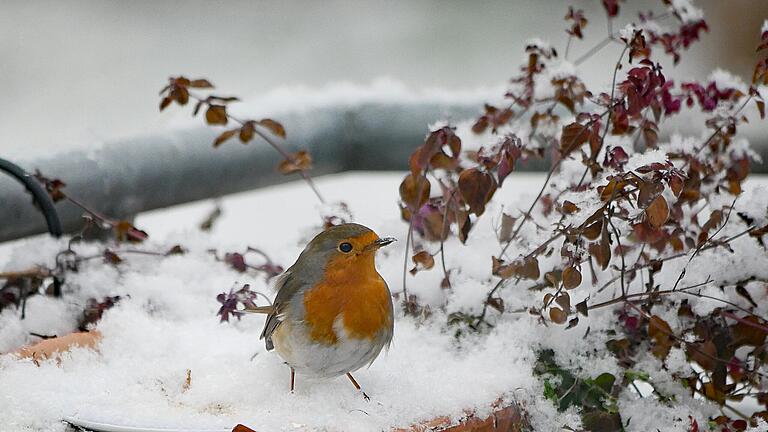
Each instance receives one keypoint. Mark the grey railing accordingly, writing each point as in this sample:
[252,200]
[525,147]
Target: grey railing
[121,179]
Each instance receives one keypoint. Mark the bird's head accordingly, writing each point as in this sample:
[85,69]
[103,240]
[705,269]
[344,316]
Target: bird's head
[350,246]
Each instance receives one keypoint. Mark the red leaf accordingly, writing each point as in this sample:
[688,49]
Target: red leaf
[611,7]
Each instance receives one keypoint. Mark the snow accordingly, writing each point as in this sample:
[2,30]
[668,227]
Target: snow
[299,98]
[166,325]
[628,32]
[726,80]
[687,11]
[541,43]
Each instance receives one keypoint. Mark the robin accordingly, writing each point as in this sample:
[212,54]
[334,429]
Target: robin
[333,311]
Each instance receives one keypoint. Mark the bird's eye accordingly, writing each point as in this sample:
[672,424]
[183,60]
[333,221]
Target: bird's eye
[345,247]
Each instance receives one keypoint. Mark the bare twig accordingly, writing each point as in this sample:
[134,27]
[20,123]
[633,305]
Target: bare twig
[442,241]
[34,272]
[709,239]
[303,173]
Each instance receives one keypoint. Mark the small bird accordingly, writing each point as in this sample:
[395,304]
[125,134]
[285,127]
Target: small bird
[333,311]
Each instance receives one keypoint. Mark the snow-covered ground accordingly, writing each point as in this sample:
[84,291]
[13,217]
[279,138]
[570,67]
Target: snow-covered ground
[168,325]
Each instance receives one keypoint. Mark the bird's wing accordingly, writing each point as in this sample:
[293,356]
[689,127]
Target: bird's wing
[287,286]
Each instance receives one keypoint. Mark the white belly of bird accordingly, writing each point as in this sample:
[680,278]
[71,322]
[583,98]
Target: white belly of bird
[308,357]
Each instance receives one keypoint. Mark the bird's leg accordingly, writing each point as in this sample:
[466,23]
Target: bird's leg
[293,379]
[357,386]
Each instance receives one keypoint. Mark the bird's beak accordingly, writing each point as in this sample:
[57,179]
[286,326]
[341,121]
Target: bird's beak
[382,242]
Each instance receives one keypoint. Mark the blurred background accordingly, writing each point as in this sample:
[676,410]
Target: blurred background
[76,74]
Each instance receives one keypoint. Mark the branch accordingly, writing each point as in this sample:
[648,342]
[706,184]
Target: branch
[38,272]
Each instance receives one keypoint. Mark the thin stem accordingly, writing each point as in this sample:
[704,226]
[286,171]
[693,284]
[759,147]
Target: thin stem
[623,264]
[744,321]
[405,260]
[307,178]
[680,255]
[608,122]
[627,297]
[33,272]
[527,214]
[442,241]
[717,132]
[286,155]
[495,288]
[592,51]
[709,239]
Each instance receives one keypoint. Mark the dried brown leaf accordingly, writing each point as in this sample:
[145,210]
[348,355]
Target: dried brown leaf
[216,115]
[476,188]
[224,136]
[200,84]
[273,126]
[247,131]
[423,260]
[414,191]
[299,161]
[574,135]
[507,224]
[571,277]
[557,315]
[657,212]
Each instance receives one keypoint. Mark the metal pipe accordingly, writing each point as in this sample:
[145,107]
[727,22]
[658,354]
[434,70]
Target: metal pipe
[40,197]
[121,179]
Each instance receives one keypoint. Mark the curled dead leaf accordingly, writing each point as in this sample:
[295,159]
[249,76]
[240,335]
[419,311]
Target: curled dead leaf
[224,136]
[569,207]
[300,161]
[507,223]
[200,83]
[247,131]
[423,260]
[273,126]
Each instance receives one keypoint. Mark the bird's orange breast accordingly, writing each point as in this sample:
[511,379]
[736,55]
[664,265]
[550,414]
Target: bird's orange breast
[353,289]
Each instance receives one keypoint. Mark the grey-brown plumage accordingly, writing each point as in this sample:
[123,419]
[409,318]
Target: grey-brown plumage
[307,271]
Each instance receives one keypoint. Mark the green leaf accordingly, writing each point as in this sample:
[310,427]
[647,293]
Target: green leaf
[549,391]
[605,381]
